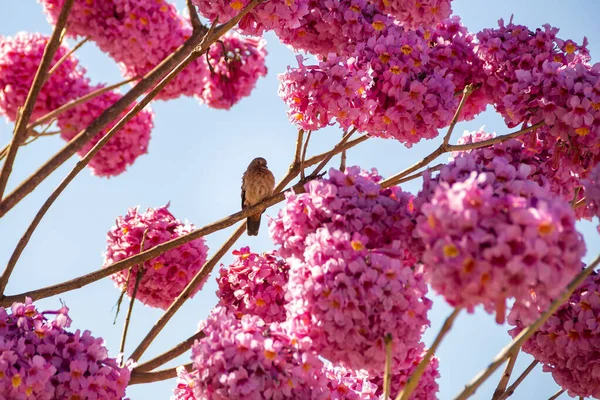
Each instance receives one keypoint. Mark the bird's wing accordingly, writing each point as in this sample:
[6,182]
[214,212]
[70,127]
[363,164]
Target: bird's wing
[243,190]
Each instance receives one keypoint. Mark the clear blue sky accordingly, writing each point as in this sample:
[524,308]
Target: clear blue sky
[195,161]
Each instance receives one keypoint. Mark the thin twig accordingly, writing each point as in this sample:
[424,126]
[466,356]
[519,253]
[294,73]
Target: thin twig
[465,95]
[436,167]
[20,129]
[64,58]
[501,388]
[304,155]
[298,152]
[387,377]
[527,332]
[557,394]
[511,389]
[168,355]
[575,196]
[413,380]
[74,103]
[580,203]
[155,376]
[223,223]
[197,52]
[196,25]
[492,141]
[195,43]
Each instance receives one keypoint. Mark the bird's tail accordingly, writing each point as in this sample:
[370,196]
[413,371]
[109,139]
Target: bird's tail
[253,224]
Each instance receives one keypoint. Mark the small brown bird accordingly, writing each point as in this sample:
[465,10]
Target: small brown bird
[257,184]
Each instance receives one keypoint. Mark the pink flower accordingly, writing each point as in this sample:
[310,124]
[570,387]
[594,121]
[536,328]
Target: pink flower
[414,14]
[185,381]
[254,284]
[165,276]
[567,344]
[248,359]
[40,360]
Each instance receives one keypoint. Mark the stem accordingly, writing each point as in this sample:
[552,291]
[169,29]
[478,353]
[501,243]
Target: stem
[417,175]
[527,332]
[575,196]
[501,388]
[465,95]
[38,81]
[298,152]
[387,378]
[64,58]
[196,25]
[557,394]
[511,389]
[190,45]
[413,380]
[304,155]
[324,162]
[155,376]
[497,139]
[167,356]
[223,223]
[73,103]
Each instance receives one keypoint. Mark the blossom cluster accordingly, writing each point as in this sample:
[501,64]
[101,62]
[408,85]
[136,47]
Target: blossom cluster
[566,344]
[140,34]
[353,277]
[254,284]
[249,359]
[492,234]
[162,278]
[592,191]
[40,359]
[19,60]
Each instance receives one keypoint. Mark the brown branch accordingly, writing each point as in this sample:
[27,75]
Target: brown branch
[20,129]
[298,152]
[501,388]
[155,376]
[387,377]
[73,103]
[415,176]
[194,16]
[223,223]
[465,95]
[413,380]
[304,155]
[348,145]
[511,389]
[197,52]
[394,180]
[557,394]
[118,107]
[167,356]
[64,58]
[527,332]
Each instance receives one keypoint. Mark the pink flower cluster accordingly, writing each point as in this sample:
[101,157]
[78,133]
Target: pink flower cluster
[353,277]
[592,191]
[185,382]
[233,75]
[139,34]
[537,77]
[248,359]
[347,384]
[380,90]
[492,235]
[19,59]
[453,52]
[254,284]
[323,27]
[41,360]
[165,276]
[567,344]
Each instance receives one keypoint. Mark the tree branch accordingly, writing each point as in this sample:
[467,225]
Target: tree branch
[116,109]
[557,394]
[527,332]
[167,356]
[303,157]
[155,376]
[509,392]
[501,388]
[331,154]
[38,81]
[413,380]
[298,152]
[465,95]
[194,16]
[63,58]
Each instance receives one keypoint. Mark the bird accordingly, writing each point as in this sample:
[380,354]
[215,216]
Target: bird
[257,184]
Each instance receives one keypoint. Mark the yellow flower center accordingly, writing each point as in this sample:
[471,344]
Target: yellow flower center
[406,49]
[237,5]
[450,250]
[378,25]
[583,131]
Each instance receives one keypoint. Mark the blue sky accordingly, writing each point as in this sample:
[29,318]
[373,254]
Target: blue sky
[195,161]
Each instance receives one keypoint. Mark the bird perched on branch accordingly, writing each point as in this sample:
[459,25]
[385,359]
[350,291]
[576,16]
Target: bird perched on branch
[257,184]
